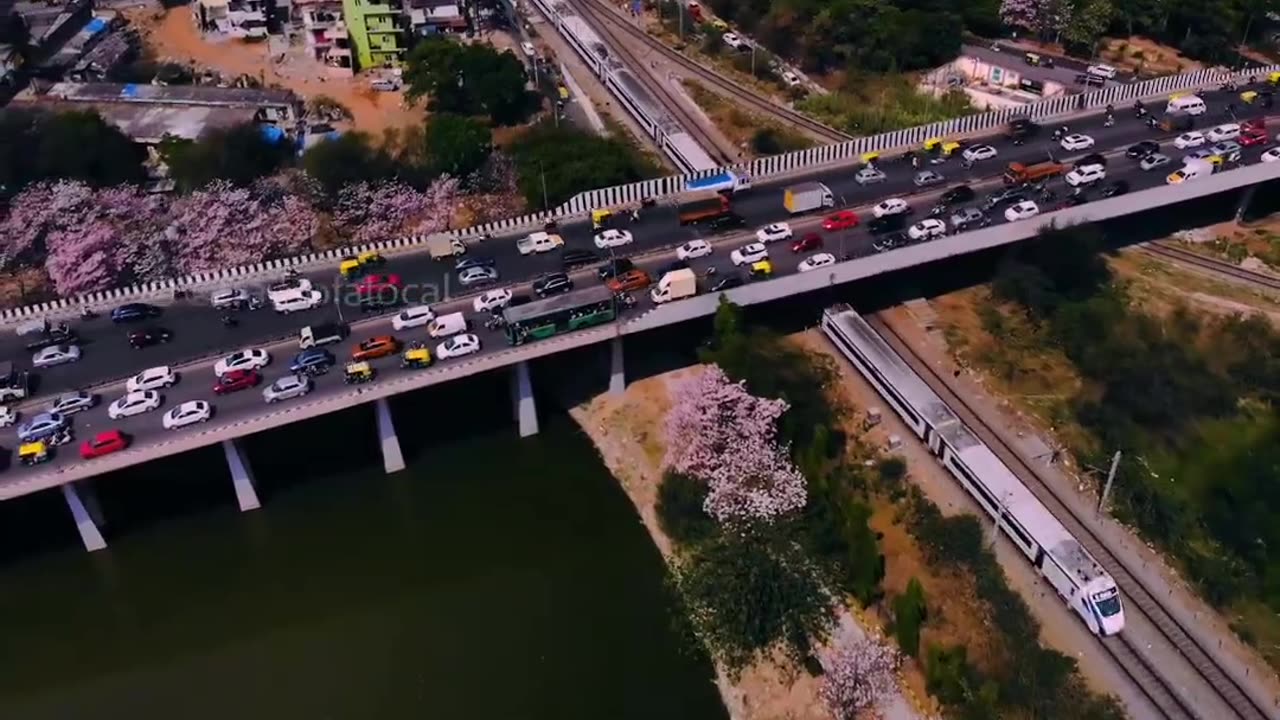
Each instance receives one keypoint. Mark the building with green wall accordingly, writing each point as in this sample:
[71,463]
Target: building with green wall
[377,32]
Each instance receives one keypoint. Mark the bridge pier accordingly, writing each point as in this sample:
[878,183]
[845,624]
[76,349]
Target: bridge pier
[241,477]
[617,371]
[87,513]
[392,457]
[1245,201]
[526,411]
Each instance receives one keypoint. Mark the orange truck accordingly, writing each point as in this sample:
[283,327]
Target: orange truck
[1018,173]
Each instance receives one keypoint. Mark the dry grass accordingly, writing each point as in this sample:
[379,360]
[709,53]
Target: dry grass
[740,126]
[1146,57]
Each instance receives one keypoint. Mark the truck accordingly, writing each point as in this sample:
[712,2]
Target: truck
[727,182]
[1018,173]
[443,246]
[539,242]
[14,384]
[806,197]
[675,285]
[703,206]
[322,334]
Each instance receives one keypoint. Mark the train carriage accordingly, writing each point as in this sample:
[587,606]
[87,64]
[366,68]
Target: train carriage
[1077,577]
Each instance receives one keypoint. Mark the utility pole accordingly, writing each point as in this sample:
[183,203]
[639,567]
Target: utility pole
[1111,477]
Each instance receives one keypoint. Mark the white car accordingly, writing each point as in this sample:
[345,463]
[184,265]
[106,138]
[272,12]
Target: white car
[1272,155]
[229,298]
[979,152]
[927,229]
[1153,161]
[188,413]
[413,317]
[72,402]
[135,403]
[1087,175]
[693,249]
[457,346]
[892,206]
[251,359]
[1102,71]
[733,40]
[298,301]
[286,388]
[8,416]
[287,288]
[1189,140]
[151,378]
[819,260]
[869,176]
[790,78]
[1229,131]
[491,300]
[56,355]
[612,238]
[774,232]
[1021,211]
[1076,141]
[747,254]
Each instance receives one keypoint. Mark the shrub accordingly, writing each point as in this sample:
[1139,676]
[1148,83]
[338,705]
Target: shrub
[680,513]
[909,614]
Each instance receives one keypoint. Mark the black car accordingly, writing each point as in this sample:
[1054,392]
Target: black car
[147,337]
[672,266]
[552,284]
[518,300]
[1142,149]
[957,194]
[55,336]
[473,261]
[617,267]
[1073,200]
[727,282]
[1119,187]
[379,302]
[888,223]
[1004,196]
[889,241]
[1092,159]
[1021,128]
[726,222]
[578,258]
[134,311]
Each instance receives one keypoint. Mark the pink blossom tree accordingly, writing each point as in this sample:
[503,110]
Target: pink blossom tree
[719,433]
[371,212]
[223,225]
[860,677]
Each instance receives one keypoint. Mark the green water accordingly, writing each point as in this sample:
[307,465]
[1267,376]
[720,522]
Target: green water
[496,578]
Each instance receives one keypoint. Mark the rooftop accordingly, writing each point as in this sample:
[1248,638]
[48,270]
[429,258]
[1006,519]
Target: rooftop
[191,95]
[149,124]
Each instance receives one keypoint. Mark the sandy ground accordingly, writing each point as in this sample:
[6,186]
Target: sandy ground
[173,36]
[627,432]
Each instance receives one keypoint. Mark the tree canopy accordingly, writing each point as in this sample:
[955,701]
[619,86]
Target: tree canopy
[349,158]
[36,146]
[570,161]
[469,79]
[238,154]
[456,145]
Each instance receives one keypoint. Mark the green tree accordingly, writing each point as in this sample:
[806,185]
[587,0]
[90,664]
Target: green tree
[556,163]
[469,79]
[746,593]
[456,145]
[865,563]
[1089,20]
[348,158]
[909,613]
[239,154]
[680,500]
[78,145]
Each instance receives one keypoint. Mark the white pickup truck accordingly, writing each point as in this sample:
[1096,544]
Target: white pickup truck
[539,242]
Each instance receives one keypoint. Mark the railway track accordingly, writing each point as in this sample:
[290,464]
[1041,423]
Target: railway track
[671,104]
[602,10]
[1156,684]
[1218,267]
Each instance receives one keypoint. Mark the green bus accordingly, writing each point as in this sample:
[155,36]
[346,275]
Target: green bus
[560,314]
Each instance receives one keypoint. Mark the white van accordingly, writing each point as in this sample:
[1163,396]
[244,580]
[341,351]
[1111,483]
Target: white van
[447,325]
[1193,170]
[1222,133]
[302,300]
[1189,104]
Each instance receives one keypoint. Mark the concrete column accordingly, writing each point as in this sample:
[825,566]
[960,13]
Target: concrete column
[392,458]
[1245,201]
[87,514]
[617,373]
[241,477]
[522,398]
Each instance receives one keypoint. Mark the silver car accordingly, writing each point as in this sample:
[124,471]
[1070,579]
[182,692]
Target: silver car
[229,299]
[1153,161]
[966,218]
[72,402]
[477,275]
[869,176]
[56,355]
[925,178]
[287,388]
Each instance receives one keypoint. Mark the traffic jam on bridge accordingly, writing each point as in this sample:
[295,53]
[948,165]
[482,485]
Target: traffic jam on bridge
[76,390]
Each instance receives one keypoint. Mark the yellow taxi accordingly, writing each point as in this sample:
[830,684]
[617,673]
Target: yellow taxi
[761,270]
[600,218]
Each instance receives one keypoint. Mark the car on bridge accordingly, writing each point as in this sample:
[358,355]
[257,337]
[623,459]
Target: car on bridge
[630,281]
[1021,211]
[1154,161]
[236,380]
[891,206]
[188,413]
[694,249]
[1076,142]
[491,300]
[161,376]
[477,274]
[250,359]
[56,355]
[458,346]
[815,261]
[287,388]
[811,241]
[928,178]
[412,317]
[146,337]
[843,220]
[379,284]
[104,443]
[1087,175]
[135,403]
[774,232]
[869,176]
[132,312]
[613,239]
[552,284]
[72,402]
[956,195]
[927,229]
[1143,149]
[474,261]
[287,287]
[1272,155]
[1226,131]
[748,254]
[965,218]
[305,300]
[42,427]
[979,152]
[539,242]
[313,361]
[229,299]
[375,347]
[1188,140]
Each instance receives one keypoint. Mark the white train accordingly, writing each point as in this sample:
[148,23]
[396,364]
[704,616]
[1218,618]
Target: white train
[1085,586]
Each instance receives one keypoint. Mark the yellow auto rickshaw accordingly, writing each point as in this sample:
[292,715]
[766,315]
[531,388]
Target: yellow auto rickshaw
[352,265]
[870,158]
[719,24]
[358,372]
[564,93]
[933,145]
[1274,78]
[33,453]
[949,148]
[1249,96]
[600,219]
[416,357]
[1037,60]
[761,270]
[1216,160]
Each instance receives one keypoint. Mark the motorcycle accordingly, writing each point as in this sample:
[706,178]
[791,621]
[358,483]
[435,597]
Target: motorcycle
[937,210]
[494,322]
[1056,136]
[1151,123]
[1140,113]
[255,302]
[710,271]
[1109,121]
[1228,87]
[228,321]
[87,313]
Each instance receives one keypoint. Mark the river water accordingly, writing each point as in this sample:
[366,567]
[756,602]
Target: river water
[495,578]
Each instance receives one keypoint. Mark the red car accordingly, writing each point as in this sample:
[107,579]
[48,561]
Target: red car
[842,220]
[1253,137]
[373,284]
[236,380]
[811,241]
[104,443]
[1252,124]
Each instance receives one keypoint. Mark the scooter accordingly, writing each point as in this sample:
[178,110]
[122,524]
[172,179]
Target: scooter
[1109,121]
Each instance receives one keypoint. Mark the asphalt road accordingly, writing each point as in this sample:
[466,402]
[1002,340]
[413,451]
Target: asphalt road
[199,333]
[1011,58]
